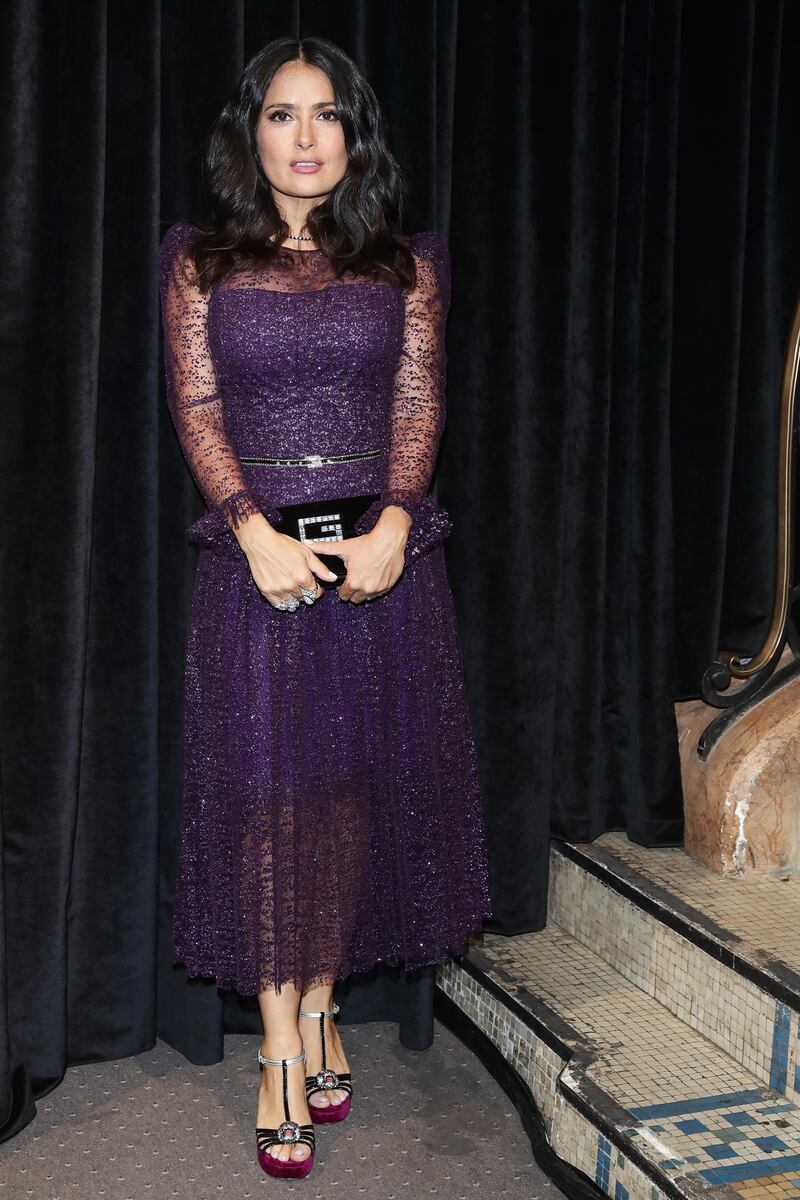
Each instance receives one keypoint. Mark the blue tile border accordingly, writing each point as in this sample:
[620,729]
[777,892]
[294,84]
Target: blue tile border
[770,1143]
[701,1103]
[780,1047]
[603,1162]
[721,1150]
[742,1118]
[691,1126]
[752,1170]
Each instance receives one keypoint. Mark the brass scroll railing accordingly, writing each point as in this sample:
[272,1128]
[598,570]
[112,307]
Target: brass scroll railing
[757,670]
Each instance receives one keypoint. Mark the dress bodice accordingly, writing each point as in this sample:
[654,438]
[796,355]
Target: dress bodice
[290,359]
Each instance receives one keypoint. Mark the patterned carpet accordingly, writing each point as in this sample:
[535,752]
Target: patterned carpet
[431,1123]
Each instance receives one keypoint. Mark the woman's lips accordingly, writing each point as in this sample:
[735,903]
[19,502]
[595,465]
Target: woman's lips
[306,169]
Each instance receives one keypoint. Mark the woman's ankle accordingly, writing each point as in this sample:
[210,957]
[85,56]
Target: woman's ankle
[282,1044]
[318,999]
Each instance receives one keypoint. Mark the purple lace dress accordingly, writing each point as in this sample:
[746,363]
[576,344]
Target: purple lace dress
[331,810]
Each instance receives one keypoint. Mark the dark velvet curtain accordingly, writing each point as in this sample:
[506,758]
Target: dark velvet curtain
[623,224]
[617,184]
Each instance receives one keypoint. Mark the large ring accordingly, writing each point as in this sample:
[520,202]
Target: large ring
[310,594]
[289,604]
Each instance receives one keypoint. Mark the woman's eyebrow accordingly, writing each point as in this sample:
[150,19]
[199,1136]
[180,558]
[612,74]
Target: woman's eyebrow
[318,104]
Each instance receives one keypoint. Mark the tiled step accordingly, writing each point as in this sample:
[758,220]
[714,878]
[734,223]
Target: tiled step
[720,953]
[632,1096]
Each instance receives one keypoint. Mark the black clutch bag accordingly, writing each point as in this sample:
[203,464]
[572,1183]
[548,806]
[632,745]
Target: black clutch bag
[325,521]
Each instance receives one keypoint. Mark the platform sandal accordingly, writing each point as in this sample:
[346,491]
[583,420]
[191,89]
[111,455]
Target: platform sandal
[288,1132]
[326,1079]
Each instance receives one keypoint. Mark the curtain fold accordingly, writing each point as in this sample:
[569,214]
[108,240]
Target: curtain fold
[617,183]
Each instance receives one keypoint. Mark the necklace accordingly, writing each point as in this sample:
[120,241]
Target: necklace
[301,237]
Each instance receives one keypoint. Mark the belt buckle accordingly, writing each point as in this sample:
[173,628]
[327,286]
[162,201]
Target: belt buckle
[313,460]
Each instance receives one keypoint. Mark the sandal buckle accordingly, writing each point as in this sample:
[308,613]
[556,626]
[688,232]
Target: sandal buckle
[327,1079]
[288,1131]
[327,1012]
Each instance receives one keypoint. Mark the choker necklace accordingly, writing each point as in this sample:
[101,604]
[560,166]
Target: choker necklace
[301,237]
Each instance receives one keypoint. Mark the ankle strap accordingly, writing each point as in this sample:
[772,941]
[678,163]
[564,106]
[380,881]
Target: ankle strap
[277,1062]
[331,1012]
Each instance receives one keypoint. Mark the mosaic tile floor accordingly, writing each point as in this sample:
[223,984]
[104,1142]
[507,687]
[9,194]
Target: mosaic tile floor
[757,915]
[745,1139]
[708,979]
[695,1113]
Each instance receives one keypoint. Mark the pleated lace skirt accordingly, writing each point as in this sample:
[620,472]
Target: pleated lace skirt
[331,808]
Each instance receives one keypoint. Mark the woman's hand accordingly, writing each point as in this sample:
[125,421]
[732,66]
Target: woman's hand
[279,564]
[374,560]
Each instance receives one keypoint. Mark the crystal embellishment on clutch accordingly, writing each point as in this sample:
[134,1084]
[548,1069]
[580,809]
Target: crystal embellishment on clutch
[327,1079]
[330,524]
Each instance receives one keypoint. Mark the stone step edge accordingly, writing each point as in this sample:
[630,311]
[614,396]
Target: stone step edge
[771,976]
[739,1017]
[596,1106]
[567,1178]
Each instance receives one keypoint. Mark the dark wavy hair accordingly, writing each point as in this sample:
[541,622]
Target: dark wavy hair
[357,225]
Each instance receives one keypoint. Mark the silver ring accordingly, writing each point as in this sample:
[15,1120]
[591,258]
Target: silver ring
[310,594]
[289,604]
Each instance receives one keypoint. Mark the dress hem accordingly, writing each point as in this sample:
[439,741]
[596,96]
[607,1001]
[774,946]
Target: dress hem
[452,947]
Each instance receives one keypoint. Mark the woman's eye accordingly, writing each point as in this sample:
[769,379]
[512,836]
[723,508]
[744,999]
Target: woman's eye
[282,112]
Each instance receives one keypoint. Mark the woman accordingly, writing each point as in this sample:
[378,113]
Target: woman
[331,810]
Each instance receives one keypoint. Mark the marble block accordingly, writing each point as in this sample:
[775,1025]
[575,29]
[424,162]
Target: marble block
[742,805]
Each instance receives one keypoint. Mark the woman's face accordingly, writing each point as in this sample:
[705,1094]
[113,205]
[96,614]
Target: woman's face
[299,125]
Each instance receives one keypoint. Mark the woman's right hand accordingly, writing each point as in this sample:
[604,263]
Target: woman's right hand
[279,564]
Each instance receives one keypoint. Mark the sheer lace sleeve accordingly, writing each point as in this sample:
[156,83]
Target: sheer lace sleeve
[418,407]
[193,398]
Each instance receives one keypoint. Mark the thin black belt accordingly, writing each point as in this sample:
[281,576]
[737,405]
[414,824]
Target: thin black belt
[312,460]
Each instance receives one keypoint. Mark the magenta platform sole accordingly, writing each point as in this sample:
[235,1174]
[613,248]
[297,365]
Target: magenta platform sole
[290,1169]
[333,1112]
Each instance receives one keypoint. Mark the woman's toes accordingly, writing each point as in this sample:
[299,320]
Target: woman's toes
[300,1152]
[319,1100]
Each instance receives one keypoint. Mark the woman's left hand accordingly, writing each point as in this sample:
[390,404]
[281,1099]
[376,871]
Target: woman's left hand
[374,561]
